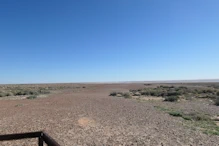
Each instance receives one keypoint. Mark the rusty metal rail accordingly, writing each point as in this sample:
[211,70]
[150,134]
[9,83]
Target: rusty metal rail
[41,135]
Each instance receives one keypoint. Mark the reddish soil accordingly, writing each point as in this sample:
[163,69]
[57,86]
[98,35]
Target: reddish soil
[90,117]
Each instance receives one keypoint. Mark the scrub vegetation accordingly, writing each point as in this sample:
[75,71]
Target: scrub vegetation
[173,93]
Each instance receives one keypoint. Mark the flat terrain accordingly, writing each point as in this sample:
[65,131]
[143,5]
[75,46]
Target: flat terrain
[89,116]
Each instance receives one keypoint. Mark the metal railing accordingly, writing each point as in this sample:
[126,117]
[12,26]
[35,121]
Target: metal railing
[41,135]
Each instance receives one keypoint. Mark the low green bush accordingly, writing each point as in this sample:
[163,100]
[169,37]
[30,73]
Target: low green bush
[208,96]
[32,97]
[33,93]
[43,91]
[217,101]
[185,117]
[20,92]
[127,95]
[171,98]
[200,117]
[173,93]
[120,94]
[175,114]
[208,91]
[8,94]
[113,94]
[145,93]
[198,120]
[2,94]
[196,117]
[182,87]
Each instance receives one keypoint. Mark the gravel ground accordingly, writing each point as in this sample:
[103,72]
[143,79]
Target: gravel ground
[91,117]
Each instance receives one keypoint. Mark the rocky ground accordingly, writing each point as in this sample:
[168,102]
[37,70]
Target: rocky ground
[90,116]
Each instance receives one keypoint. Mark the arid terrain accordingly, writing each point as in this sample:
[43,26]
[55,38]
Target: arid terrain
[86,114]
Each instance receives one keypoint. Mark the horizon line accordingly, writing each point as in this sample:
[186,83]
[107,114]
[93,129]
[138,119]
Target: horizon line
[117,82]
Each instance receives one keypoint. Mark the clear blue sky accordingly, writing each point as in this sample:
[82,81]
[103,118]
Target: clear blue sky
[108,40]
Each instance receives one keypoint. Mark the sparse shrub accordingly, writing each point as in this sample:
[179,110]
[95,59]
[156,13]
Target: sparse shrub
[171,98]
[201,121]
[156,92]
[216,86]
[153,93]
[120,94]
[196,117]
[163,93]
[18,105]
[185,117]
[175,114]
[26,92]
[44,91]
[32,97]
[127,95]
[19,93]
[190,116]
[137,94]
[199,117]
[217,101]
[50,88]
[8,94]
[145,93]
[133,91]
[164,86]
[2,94]
[33,93]
[116,93]
[113,94]
[209,96]
[173,93]
[198,91]
[188,97]
[207,91]
[182,87]
[147,84]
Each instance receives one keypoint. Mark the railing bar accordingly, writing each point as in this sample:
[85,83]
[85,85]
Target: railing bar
[40,141]
[49,140]
[20,136]
[42,137]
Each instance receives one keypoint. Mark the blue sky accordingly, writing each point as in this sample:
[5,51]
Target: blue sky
[116,40]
